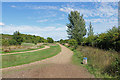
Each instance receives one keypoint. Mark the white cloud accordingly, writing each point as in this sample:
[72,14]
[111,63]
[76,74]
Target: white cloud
[44,20]
[104,10]
[101,20]
[40,7]
[84,11]
[107,10]
[65,9]
[13,6]
[2,24]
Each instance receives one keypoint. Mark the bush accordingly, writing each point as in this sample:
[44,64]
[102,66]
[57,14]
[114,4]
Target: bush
[50,40]
[73,43]
[114,69]
[12,42]
[18,37]
[108,40]
[5,42]
[62,41]
[7,50]
[89,41]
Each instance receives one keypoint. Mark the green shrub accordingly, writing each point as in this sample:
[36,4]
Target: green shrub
[50,40]
[12,42]
[73,43]
[5,42]
[108,40]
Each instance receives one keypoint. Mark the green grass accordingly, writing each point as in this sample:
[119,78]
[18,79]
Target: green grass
[98,60]
[25,58]
[23,50]
[28,44]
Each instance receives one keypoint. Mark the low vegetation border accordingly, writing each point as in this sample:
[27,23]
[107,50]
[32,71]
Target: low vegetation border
[19,59]
[93,67]
[23,50]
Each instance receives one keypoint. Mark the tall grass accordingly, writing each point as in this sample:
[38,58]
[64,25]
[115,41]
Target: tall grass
[101,63]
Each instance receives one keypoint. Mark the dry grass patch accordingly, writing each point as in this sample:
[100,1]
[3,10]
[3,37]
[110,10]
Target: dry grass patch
[101,63]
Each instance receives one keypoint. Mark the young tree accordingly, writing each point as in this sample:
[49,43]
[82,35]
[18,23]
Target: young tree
[17,36]
[90,38]
[90,30]
[76,27]
[50,40]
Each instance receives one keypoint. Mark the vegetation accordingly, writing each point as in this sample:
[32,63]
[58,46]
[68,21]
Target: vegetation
[63,41]
[28,44]
[76,27]
[25,58]
[90,30]
[23,50]
[73,43]
[50,40]
[77,30]
[100,63]
[108,40]
[102,50]
[17,39]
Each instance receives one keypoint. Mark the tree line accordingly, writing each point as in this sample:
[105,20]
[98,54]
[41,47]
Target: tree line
[17,38]
[77,31]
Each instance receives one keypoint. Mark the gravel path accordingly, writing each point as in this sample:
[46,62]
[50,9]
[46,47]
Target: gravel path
[58,66]
[26,51]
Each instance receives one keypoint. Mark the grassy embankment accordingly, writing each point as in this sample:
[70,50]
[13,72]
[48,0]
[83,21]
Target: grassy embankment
[101,63]
[25,58]
[23,50]
[25,45]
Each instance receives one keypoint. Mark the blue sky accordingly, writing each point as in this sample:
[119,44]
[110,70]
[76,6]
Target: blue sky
[49,19]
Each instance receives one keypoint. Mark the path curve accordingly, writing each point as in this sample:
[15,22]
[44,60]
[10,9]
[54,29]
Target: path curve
[27,51]
[58,66]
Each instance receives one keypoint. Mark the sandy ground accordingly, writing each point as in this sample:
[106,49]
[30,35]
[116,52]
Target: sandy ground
[26,51]
[59,66]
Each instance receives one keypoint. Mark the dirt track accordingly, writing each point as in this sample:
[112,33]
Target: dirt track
[58,66]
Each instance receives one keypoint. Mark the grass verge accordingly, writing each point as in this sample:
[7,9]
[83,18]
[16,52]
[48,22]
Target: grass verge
[42,46]
[25,58]
[28,44]
[100,63]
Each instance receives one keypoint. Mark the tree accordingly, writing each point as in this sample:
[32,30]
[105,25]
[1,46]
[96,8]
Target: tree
[12,42]
[17,36]
[90,39]
[50,40]
[76,27]
[90,30]
[5,42]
